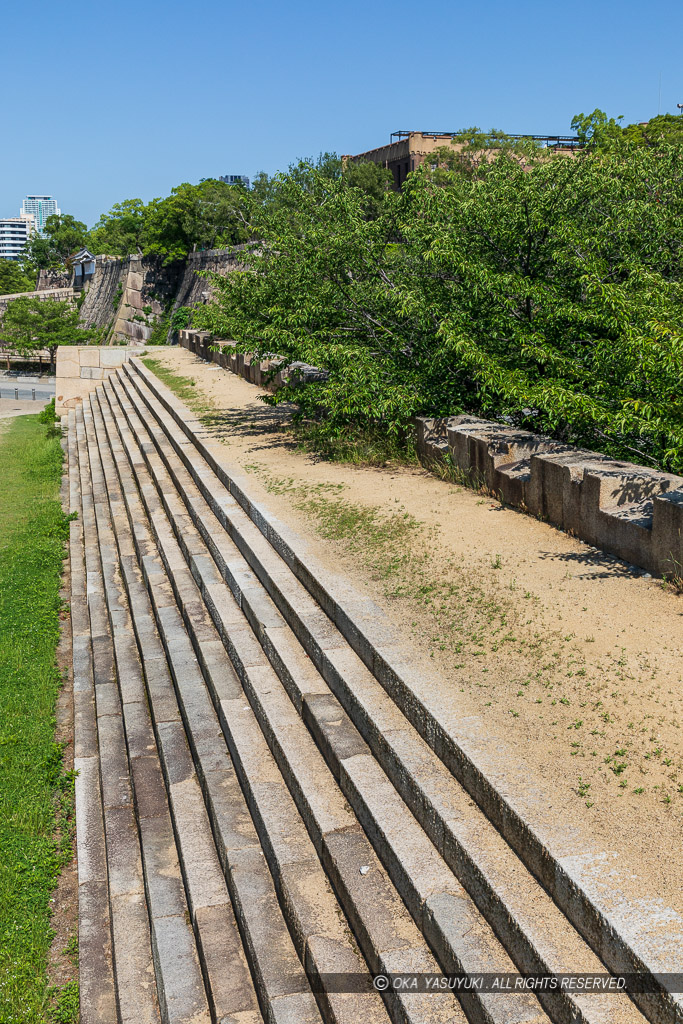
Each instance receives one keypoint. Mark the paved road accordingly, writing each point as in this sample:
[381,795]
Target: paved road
[25,393]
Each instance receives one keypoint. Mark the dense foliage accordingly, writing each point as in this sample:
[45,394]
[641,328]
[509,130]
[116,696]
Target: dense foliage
[203,216]
[543,289]
[62,236]
[14,279]
[30,325]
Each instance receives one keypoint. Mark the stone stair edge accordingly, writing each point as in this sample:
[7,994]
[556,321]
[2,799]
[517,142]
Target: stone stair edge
[579,900]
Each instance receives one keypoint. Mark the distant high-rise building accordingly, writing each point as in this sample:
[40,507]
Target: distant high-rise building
[40,208]
[14,234]
[235,179]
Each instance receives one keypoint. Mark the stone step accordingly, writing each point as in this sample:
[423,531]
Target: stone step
[96,967]
[427,886]
[592,896]
[284,992]
[532,928]
[388,935]
[178,962]
[311,910]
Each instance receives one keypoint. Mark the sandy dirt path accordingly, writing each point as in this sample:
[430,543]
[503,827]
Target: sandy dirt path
[573,660]
[9,407]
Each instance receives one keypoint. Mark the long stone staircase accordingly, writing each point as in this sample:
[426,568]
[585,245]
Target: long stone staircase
[270,809]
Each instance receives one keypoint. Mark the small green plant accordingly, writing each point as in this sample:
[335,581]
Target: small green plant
[47,415]
[674,579]
[66,1004]
[181,318]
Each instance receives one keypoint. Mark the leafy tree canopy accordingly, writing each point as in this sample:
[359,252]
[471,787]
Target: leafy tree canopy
[119,232]
[204,216]
[31,324]
[14,279]
[598,131]
[548,294]
[62,236]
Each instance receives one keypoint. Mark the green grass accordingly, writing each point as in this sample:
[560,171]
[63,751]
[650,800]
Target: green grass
[183,387]
[35,792]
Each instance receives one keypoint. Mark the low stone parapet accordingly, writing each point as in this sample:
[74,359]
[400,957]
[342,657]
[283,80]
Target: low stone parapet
[256,371]
[631,511]
[80,368]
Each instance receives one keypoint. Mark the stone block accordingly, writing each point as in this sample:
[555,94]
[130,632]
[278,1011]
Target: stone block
[91,373]
[92,865]
[113,356]
[667,533]
[96,971]
[225,963]
[89,355]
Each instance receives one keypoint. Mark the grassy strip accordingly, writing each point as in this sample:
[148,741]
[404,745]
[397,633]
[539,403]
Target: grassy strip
[184,387]
[358,445]
[35,793]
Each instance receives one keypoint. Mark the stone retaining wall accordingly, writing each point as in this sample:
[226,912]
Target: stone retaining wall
[50,279]
[131,294]
[194,290]
[148,291]
[630,511]
[58,294]
[103,294]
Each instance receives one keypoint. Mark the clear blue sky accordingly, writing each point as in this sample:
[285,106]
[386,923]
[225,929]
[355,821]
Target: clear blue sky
[104,102]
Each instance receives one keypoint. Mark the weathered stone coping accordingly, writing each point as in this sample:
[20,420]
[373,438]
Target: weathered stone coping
[254,370]
[630,511]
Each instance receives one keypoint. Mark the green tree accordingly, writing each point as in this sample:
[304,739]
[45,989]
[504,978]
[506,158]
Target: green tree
[372,179]
[204,216]
[597,130]
[13,279]
[665,128]
[549,294]
[32,325]
[62,236]
[473,152]
[119,232]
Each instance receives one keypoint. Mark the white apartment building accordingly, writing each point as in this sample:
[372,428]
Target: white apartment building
[14,234]
[235,179]
[40,208]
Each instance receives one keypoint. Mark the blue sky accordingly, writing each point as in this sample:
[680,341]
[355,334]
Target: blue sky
[105,102]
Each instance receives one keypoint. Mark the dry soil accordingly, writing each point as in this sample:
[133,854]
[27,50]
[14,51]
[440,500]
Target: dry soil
[571,657]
